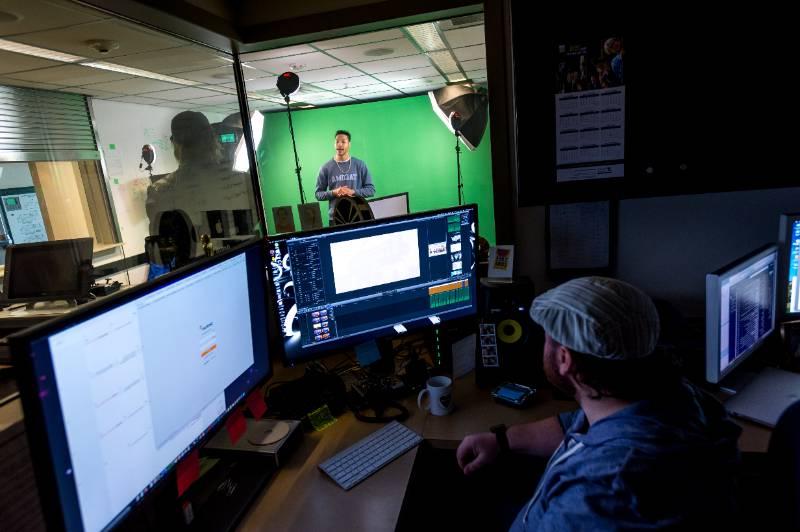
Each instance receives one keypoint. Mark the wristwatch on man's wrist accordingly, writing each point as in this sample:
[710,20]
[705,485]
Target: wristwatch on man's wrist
[499,432]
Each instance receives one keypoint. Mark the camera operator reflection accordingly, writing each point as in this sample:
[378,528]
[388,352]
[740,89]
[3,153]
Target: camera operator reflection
[204,197]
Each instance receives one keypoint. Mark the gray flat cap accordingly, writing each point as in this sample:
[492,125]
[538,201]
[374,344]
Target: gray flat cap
[599,316]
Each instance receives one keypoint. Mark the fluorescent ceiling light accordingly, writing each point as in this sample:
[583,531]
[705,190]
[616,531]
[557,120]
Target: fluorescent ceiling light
[455,78]
[113,67]
[427,36]
[35,51]
[445,61]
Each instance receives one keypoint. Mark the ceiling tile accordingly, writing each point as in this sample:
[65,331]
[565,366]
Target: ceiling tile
[364,90]
[399,63]
[278,52]
[11,62]
[327,74]
[175,60]
[212,76]
[261,83]
[476,64]
[465,36]
[29,84]
[470,52]
[215,100]
[141,100]
[43,15]
[181,94]
[296,63]
[72,39]
[402,75]
[375,51]
[69,75]
[391,93]
[133,86]
[91,92]
[432,81]
[358,81]
[473,74]
[363,38]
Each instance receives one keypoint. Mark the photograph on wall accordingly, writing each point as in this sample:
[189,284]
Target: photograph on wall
[590,110]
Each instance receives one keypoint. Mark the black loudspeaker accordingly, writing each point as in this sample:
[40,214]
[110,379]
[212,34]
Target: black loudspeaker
[509,342]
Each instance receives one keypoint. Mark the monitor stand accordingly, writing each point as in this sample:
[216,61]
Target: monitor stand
[764,398]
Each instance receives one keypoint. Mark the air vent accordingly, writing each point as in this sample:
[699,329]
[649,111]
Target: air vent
[461,22]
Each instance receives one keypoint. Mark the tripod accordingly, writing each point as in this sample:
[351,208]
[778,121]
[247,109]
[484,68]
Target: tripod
[458,169]
[294,147]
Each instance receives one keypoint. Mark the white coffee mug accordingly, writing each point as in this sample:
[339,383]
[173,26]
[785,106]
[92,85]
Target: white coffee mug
[440,390]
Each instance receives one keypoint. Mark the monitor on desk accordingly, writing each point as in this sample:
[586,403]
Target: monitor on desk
[47,271]
[388,206]
[116,393]
[789,270]
[348,284]
[740,310]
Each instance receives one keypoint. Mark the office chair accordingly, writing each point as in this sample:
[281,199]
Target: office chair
[347,210]
[783,469]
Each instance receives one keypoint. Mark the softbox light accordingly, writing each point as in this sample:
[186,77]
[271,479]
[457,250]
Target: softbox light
[470,105]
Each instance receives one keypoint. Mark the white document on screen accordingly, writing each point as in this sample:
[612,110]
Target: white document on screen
[375,260]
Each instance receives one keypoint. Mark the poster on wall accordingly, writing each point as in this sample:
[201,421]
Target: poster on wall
[24,217]
[590,110]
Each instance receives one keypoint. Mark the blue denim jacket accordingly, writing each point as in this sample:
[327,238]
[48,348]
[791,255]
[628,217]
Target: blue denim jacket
[656,464]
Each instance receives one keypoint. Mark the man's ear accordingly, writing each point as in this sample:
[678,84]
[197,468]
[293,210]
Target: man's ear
[564,360]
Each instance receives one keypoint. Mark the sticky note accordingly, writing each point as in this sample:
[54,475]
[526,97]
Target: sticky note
[367,353]
[236,426]
[256,404]
[188,471]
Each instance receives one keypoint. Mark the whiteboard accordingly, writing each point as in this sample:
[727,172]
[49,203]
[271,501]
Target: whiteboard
[389,206]
[24,218]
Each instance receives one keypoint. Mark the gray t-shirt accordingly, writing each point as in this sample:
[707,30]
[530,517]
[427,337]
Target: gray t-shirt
[353,174]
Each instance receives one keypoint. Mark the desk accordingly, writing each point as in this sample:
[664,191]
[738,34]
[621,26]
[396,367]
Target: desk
[301,497]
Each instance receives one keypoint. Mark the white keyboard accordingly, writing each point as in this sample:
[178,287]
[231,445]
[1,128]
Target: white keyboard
[367,456]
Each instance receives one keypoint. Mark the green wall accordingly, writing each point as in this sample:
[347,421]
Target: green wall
[404,144]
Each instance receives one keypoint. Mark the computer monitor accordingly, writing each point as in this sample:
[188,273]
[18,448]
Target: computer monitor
[388,206]
[740,310]
[789,270]
[118,391]
[348,284]
[47,271]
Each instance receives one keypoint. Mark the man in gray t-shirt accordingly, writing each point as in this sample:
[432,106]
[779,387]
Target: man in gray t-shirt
[343,175]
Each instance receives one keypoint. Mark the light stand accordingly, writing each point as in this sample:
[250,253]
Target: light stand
[288,83]
[455,121]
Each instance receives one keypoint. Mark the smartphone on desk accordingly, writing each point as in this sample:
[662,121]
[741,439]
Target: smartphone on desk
[514,394]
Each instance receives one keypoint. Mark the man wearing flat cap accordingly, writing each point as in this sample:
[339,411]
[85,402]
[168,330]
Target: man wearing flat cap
[646,450]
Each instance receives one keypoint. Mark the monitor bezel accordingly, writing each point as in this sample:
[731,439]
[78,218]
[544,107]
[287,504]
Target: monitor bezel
[281,345]
[81,290]
[713,319]
[35,425]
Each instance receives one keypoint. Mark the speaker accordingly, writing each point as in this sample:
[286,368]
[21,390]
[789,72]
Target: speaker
[510,343]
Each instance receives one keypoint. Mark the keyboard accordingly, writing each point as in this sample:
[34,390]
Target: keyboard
[369,455]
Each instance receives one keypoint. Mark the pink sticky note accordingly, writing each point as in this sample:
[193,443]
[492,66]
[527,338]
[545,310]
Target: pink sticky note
[188,471]
[236,426]
[256,404]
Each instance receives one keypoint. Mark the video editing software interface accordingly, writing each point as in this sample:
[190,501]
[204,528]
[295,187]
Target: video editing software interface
[340,287]
[127,392]
[793,290]
[747,308]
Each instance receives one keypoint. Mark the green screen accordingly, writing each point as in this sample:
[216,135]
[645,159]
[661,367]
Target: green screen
[404,144]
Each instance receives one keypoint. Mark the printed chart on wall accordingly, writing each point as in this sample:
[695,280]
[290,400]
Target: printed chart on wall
[24,217]
[590,110]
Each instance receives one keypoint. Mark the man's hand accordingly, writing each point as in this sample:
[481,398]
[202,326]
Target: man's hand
[476,451]
[347,191]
